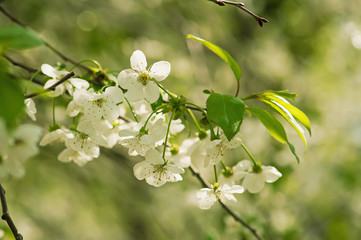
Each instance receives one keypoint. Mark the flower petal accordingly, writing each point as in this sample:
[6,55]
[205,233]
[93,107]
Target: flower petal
[127,78]
[154,157]
[138,61]
[142,170]
[135,93]
[114,94]
[270,174]
[48,70]
[160,70]
[151,92]
[253,183]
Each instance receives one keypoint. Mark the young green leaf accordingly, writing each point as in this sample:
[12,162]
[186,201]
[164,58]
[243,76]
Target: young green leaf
[19,38]
[277,107]
[273,126]
[227,112]
[298,114]
[283,93]
[221,53]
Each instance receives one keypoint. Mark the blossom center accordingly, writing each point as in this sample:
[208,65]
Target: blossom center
[143,78]
[99,102]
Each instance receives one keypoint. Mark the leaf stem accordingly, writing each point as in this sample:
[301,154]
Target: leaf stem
[213,135]
[132,110]
[194,119]
[215,173]
[249,154]
[166,136]
[165,90]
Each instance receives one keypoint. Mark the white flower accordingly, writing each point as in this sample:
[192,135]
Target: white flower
[17,147]
[30,108]
[56,75]
[58,135]
[85,139]
[155,171]
[98,105]
[139,142]
[254,181]
[79,158]
[216,149]
[109,131]
[138,80]
[207,197]
[181,157]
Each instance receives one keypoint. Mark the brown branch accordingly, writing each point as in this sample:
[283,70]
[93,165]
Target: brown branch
[57,52]
[241,6]
[6,216]
[15,63]
[229,211]
[52,87]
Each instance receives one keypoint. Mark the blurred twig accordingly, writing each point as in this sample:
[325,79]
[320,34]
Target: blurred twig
[229,211]
[6,216]
[57,52]
[241,6]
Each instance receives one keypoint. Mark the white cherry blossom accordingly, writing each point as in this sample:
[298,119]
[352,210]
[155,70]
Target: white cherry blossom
[139,80]
[216,148]
[208,197]
[17,147]
[155,171]
[85,139]
[140,141]
[97,105]
[254,181]
[79,158]
[56,75]
[30,108]
[57,135]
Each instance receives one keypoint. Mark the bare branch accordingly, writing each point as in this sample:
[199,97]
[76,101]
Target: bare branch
[6,216]
[241,6]
[15,63]
[52,87]
[229,211]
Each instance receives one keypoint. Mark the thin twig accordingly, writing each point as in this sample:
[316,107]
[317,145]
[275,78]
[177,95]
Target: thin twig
[15,63]
[6,216]
[52,87]
[241,6]
[57,52]
[229,211]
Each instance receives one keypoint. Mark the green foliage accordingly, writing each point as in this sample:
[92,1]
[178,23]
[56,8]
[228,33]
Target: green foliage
[273,126]
[19,38]
[222,54]
[12,100]
[227,112]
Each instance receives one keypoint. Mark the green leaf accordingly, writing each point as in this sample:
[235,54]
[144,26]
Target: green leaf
[12,101]
[19,38]
[227,112]
[297,113]
[293,150]
[277,107]
[273,126]
[221,53]
[284,93]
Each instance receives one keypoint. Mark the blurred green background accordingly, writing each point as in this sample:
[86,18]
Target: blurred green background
[309,47]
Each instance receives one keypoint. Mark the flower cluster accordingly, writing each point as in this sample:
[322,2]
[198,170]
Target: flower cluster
[102,118]
[16,147]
